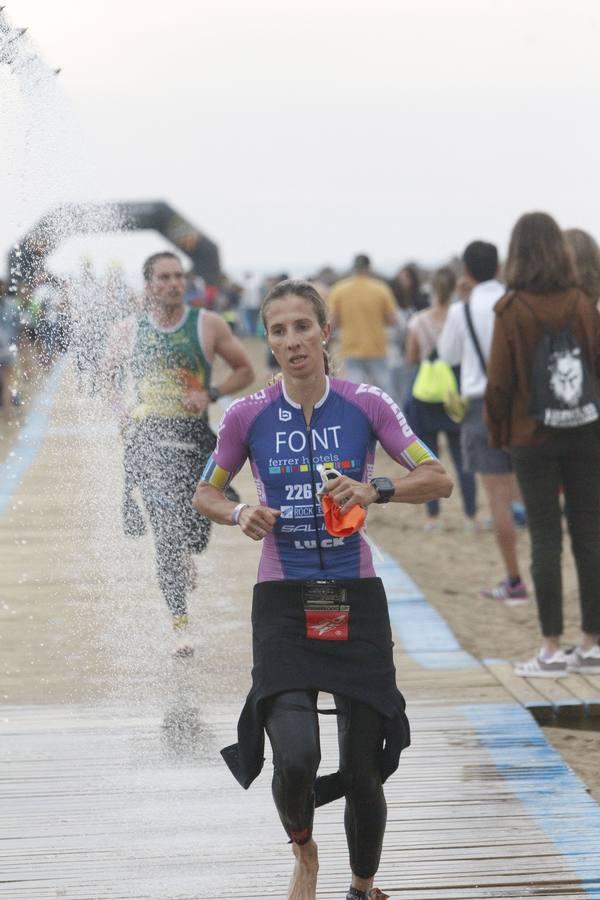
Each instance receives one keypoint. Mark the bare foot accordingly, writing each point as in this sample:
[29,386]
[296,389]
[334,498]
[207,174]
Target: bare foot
[303,884]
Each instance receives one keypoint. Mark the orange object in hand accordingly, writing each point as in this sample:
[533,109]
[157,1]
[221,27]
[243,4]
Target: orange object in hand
[340,524]
[337,523]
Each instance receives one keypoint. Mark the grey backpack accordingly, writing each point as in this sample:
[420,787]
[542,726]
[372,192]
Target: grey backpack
[563,392]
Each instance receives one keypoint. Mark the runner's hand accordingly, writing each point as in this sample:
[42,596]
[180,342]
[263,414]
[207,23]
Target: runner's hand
[346,492]
[258,521]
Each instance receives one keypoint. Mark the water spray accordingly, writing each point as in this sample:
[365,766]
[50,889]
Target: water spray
[12,51]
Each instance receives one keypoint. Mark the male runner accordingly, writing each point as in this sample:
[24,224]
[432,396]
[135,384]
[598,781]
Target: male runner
[169,352]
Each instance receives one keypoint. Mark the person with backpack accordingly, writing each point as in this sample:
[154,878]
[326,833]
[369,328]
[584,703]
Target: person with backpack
[543,403]
[465,341]
[428,418]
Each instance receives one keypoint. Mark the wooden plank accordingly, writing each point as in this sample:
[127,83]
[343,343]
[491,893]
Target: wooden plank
[594,680]
[568,699]
[567,706]
[542,708]
[98,807]
[588,693]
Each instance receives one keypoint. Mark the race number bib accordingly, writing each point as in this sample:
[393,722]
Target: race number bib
[326,613]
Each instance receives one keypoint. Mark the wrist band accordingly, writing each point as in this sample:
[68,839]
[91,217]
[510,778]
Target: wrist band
[235,513]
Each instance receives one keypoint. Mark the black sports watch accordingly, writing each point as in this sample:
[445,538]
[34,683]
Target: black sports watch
[213,393]
[384,488]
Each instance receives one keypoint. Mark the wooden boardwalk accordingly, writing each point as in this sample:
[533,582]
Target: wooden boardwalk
[99,805]
[428,641]
[111,785]
[574,699]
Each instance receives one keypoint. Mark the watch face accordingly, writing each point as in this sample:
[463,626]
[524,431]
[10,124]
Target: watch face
[385,489]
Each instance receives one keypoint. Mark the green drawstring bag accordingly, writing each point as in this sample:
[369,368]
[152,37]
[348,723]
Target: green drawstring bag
[435,381]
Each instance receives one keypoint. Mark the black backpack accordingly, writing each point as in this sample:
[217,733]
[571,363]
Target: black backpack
[563,393]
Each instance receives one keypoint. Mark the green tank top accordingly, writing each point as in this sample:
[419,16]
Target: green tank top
[166,363]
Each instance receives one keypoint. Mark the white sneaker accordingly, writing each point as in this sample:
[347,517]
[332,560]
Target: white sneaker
[538,667]
[586,662]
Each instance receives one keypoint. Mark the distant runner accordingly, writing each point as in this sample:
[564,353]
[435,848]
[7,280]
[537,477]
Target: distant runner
[168,353]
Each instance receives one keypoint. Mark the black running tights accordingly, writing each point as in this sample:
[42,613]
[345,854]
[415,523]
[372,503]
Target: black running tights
[167,485]
[293,729]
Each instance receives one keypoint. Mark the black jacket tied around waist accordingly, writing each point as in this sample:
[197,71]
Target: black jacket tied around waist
[360,668]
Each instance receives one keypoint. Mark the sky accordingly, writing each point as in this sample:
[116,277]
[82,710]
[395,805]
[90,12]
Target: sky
[296,133]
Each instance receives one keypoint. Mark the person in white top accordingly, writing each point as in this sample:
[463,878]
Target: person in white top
[458,346]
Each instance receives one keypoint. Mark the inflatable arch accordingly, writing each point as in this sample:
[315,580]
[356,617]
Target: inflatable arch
[28,257]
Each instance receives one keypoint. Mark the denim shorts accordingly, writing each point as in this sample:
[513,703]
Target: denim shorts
[477,455]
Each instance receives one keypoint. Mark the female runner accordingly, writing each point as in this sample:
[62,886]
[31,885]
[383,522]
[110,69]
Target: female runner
[320,619]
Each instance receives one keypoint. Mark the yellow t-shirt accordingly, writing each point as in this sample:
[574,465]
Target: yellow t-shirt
[360,305]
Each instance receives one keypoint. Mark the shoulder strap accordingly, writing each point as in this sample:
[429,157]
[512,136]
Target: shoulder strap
[474,338]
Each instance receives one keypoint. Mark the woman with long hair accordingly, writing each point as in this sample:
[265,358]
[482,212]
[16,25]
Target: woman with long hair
[430,420]
[406,286]
[585,254]
[542,403]
[319,614]
[410,298]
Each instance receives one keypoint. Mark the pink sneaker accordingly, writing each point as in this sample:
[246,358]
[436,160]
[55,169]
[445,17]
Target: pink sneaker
[505,592]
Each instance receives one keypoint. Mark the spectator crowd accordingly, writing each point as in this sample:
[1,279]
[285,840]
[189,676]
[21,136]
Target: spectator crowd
[501,362]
